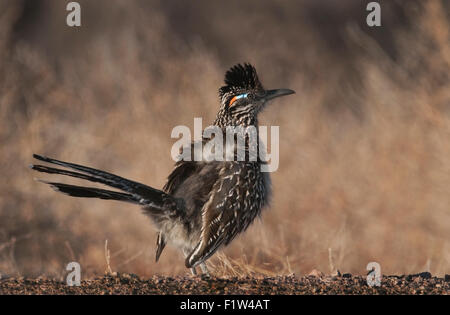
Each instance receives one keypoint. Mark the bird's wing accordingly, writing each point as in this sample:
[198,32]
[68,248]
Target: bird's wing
[224,214]
[182,170]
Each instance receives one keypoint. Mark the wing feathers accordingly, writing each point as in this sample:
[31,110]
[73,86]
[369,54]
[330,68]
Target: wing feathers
[219,216]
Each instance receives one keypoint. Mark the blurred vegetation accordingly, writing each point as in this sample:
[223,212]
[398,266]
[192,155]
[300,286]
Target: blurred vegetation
[365,143]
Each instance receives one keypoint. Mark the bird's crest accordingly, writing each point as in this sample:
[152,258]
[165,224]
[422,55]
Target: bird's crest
[240,78]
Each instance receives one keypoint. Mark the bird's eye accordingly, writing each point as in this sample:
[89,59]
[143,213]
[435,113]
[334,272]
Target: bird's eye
[235,98]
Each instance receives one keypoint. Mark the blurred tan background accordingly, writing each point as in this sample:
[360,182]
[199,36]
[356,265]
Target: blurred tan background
[365,143]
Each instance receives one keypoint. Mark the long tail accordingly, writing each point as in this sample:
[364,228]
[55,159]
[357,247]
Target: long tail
[133,192]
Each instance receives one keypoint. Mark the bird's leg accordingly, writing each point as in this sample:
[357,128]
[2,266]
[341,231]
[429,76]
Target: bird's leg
[204,269]
[186,253]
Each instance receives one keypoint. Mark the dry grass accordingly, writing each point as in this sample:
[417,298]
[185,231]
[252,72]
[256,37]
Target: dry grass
[365,146]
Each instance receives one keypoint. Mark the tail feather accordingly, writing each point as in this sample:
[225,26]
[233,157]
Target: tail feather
[92,192]
[147,193]
[52,170]
[135,192]
[158,204]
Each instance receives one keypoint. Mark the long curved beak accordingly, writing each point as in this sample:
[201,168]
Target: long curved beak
[271,94]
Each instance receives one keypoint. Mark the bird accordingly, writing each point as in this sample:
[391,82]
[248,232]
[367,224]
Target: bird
[204,205]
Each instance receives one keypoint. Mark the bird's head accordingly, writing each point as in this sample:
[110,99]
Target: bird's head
[243,96]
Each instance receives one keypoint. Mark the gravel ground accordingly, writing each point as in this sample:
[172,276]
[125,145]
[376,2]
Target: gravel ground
[423,283]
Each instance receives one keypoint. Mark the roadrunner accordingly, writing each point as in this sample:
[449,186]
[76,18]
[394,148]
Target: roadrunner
[204,204]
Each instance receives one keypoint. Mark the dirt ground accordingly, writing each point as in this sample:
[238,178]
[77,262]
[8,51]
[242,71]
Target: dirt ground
[423,283]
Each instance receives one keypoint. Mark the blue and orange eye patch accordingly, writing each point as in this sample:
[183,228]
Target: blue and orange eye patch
[235,98]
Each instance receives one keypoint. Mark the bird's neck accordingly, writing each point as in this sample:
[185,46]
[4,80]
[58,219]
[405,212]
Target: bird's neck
[224,119]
